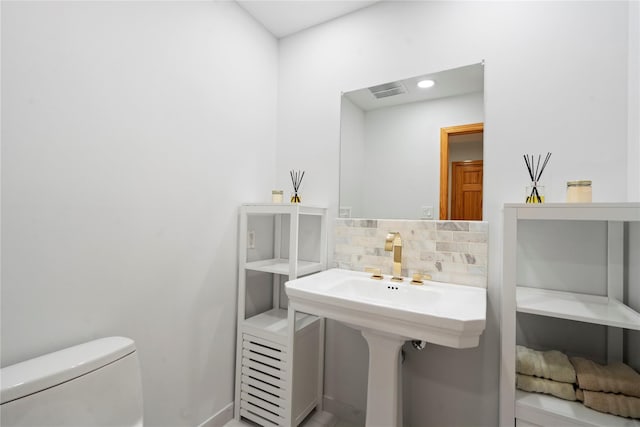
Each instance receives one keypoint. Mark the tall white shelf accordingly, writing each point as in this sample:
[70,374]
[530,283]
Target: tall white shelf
[279,362]
[524,409]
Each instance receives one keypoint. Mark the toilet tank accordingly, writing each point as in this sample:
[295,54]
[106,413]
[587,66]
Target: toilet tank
[92,384]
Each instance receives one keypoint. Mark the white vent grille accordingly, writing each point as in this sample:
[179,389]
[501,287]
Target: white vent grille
[263,387]
[388,89]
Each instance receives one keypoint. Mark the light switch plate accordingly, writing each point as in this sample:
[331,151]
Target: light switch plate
[427,212]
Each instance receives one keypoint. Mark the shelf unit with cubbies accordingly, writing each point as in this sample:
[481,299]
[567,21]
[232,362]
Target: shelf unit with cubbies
[524,409]
[278,361]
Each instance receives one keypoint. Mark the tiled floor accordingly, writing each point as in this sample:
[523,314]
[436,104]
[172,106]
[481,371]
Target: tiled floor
[318,419]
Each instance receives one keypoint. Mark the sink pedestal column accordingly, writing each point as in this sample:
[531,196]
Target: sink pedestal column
[384,389]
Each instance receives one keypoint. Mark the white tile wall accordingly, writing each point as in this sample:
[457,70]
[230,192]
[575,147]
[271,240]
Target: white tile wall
[450,251]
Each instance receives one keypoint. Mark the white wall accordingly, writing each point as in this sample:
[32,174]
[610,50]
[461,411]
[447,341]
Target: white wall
[352,156]
[403,154]
[465,147]
[633,124]
[542,59]
[390,157]
[131,132]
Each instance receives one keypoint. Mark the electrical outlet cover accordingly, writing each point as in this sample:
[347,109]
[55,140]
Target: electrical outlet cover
[427,212]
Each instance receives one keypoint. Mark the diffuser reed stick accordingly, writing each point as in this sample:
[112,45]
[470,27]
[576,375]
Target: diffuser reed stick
[296,180]
[535,172]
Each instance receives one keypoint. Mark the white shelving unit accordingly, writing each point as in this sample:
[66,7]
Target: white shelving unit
[278,362]
[524,409]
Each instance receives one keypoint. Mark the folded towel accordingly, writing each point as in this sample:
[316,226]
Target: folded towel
[613,378]
[552,365]
[616,404]
[541,385]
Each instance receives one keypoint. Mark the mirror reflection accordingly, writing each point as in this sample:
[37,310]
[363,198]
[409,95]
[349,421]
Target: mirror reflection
[408,152]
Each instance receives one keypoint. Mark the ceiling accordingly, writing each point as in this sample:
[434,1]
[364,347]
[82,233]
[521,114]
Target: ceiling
[456,81]
[285,17]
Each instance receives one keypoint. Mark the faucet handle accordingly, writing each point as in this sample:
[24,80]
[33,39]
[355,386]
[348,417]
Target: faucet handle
[376,273]
[419,277]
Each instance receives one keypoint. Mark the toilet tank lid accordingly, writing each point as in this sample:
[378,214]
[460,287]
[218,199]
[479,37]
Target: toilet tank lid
[46,371]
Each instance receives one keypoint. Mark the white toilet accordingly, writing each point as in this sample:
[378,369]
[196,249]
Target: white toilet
[93,384]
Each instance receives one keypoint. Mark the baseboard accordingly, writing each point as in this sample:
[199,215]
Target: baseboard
[344,411]
[219,419]
[341,410]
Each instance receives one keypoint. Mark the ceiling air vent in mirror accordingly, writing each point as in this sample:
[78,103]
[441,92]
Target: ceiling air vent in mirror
[387,89]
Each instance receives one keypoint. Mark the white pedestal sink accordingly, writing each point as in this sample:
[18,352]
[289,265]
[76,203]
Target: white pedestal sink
[388,314]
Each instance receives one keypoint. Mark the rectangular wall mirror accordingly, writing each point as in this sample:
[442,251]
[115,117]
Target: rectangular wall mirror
[408,152]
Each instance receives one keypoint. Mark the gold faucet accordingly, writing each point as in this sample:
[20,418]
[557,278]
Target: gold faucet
[394,243]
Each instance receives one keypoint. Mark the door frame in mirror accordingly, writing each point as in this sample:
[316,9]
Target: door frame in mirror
[445,134]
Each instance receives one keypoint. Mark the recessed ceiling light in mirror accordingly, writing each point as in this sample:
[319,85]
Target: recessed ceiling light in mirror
[423,84]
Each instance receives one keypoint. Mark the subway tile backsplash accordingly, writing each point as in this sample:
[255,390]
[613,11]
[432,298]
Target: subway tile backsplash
[450,251]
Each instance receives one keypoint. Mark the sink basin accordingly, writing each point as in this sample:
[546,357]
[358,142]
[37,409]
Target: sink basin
[388,314]
[440,313]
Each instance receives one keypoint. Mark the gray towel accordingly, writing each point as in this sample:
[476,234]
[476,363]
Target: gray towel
[552,365]
[616,404]
[613,378]
[541,385]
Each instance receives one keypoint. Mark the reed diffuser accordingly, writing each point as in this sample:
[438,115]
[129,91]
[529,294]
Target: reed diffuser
[296,180]
[535,172]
